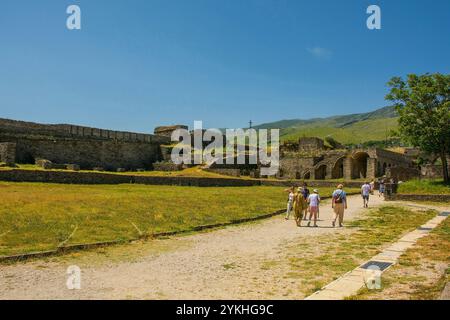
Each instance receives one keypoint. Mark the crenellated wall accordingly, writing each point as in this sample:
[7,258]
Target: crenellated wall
[84,146]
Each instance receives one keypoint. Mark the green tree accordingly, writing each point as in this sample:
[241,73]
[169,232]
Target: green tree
[423,104]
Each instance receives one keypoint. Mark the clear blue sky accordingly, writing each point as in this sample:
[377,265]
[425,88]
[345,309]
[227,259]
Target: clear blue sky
[138,64]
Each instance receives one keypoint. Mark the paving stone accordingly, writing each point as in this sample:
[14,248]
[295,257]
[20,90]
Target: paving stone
[400,246]
[327,295]
[346,285]
[388,256]
[412,237]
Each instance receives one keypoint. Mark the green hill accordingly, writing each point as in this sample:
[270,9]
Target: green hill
[347,129]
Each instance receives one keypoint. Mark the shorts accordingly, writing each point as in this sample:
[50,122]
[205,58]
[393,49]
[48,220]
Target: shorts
[365,196]
[313,209]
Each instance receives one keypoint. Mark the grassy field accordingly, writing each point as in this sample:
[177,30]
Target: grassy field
[316,264]
[35,216]
[424,187]
[421,273]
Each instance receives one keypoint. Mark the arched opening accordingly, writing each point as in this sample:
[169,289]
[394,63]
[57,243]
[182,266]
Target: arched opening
[360,165]
[338,169]
[384,168]
[298,175]
[320,172]
[307,176]
[26,158]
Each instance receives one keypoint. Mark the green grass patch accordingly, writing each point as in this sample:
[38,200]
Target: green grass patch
[424,187]
[38,216]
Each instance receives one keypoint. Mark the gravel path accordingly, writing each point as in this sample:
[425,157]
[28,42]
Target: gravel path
[221,264]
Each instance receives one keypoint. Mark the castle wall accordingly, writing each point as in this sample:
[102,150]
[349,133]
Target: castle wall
[74,131]
[8,153]
[87,147]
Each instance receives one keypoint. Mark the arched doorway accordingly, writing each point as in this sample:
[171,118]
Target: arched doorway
[360,165]
[320,172]
[307,176]
[338,169]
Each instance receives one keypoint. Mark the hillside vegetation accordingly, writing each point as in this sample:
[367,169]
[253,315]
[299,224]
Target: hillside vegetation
[347,129]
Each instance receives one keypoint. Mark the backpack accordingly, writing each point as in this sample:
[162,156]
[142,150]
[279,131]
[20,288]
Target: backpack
[339,197]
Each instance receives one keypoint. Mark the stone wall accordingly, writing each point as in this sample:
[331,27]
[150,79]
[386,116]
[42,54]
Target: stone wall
[86,147]
[402,173]
[75,177]
[418,197]
[109,154]
[227,172]
[68,177]
[8,153]
[310,144]
[167,166]
[74,131]
[432,171]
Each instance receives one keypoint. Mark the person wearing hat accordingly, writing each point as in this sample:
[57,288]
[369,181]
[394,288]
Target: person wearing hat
[290,202]
[300,205]
[313,201]
[339,204]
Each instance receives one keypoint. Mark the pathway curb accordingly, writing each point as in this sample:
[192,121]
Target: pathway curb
[350,283]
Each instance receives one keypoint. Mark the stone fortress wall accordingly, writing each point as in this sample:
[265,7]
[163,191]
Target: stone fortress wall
[312,160]
[85,146]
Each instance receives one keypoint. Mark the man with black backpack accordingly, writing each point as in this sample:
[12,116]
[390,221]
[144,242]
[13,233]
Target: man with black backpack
[339,204]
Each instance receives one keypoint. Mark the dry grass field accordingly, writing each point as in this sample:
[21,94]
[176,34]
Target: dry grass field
[37,216]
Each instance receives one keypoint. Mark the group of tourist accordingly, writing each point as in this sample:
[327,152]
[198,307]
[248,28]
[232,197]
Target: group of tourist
[301,202]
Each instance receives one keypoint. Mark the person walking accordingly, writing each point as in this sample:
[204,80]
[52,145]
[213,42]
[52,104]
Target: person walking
[290,202]
[339,204]
[381,188]
[365,193]
[300,206]
[314,202]
[372,187]
[305,196]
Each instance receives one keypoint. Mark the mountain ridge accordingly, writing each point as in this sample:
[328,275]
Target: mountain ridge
[354,128]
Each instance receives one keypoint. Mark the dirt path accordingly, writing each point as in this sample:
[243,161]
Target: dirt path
[222,264]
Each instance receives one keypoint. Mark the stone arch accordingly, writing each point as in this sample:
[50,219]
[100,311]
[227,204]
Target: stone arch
[337,171]
[320,172]
[360,165]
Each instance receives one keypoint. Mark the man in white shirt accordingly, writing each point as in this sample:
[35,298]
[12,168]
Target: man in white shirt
[365,193]
[314,202]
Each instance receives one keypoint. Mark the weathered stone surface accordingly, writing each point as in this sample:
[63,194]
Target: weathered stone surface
[73,167]
[167,166]
[167,130]
[8,153]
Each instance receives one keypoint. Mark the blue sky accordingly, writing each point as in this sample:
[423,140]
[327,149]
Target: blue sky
[138,64]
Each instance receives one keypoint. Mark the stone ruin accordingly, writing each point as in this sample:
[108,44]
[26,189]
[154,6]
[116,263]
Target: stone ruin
[310,158]
[76,147]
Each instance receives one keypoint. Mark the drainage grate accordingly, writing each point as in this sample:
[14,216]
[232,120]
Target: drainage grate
[424,229]
[382,265]
[444,214]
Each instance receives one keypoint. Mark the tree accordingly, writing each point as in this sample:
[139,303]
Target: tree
[423,104]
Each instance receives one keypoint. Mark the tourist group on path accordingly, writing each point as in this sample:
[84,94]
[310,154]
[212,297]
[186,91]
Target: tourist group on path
[301,202]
